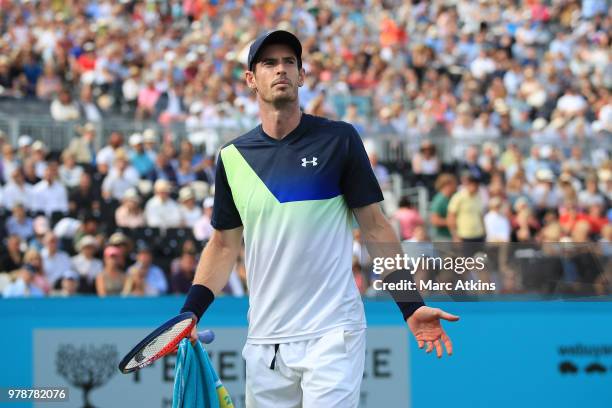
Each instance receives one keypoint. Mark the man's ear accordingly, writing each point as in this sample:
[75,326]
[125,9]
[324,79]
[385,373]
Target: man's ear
[301,77]
[250,80]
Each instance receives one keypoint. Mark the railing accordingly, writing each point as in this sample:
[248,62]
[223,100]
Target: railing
[390,148]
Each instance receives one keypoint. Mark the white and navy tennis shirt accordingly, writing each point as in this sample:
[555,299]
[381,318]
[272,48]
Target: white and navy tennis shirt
[294,198]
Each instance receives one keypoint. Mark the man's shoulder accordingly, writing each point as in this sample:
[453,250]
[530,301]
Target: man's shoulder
[245,138]
[337,127]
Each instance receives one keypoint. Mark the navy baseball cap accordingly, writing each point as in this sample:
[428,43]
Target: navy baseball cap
[274,37]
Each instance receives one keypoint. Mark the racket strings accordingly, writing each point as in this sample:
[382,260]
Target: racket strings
[168,338]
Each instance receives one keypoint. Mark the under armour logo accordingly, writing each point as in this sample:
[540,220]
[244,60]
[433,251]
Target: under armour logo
[307,162]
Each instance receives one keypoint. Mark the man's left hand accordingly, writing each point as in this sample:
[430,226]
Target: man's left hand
[426,328]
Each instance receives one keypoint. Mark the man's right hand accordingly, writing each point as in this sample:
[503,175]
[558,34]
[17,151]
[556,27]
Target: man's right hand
[193,337]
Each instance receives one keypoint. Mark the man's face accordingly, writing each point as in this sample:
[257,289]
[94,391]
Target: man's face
[276,76]
[115,140]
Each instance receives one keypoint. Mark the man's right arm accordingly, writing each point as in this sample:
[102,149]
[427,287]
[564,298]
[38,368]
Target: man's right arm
[218,259]
[213,272]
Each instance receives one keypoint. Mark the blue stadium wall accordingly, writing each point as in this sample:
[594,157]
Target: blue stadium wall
[507,354]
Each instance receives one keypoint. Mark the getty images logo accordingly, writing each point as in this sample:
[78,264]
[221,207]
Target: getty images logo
[306,162]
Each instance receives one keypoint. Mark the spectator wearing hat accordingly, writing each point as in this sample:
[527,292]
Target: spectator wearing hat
[70,172]
[544,194]
[149,139]
[120,178]
[85,264]
[129,214]
[55,261]
[24,285]
[17,191]
[24,147]
[465,213]
[190,212]
[69,285]
[524,223]
[34,260]
[83,147]
[125,244]
[39,155]
[163,169]
[446,185]
[9,162]
[202,229]
[139,158]
[11,257]
[50,195]
[497,224]
[161,210]
[63,107]
[106,156]
[155,282]
[111,280]
[19,223]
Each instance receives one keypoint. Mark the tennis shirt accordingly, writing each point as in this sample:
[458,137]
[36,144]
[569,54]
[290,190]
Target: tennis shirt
[294,198]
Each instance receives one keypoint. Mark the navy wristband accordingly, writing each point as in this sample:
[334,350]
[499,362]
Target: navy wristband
[409,302]
[198,299]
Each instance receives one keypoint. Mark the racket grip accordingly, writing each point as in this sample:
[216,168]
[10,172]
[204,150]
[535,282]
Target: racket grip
[206,336]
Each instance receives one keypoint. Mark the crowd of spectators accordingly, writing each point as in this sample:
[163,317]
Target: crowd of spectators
[504,71]
[465,67]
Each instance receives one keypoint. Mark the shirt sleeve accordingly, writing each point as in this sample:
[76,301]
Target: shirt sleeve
[453,205]
[225,214]
[358,182]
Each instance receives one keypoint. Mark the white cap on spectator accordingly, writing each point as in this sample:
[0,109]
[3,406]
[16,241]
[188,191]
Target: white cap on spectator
[24,140]
[136,139]
[70,274]
[131,194]
[209,202]
[38,145]
[196,107]
[186,193]
[87,240]
[162,186]
[149,136]
[544,175]
[539,124]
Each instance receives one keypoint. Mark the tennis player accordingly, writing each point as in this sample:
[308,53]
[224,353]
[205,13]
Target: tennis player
[291,187]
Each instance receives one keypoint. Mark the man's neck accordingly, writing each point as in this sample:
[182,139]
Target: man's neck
[278,123]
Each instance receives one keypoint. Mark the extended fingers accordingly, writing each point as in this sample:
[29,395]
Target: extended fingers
[447,316]
[438,348]
[448,344]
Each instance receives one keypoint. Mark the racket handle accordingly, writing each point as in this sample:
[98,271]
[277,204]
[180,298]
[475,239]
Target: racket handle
[206,336]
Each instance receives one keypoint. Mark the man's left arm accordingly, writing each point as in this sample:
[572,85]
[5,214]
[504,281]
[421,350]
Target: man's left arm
[382,242]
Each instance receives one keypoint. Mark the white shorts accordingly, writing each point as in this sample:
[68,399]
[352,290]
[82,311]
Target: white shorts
[322,372]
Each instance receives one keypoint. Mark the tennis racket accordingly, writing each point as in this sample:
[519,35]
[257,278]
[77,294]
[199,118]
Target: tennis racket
[162,341]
